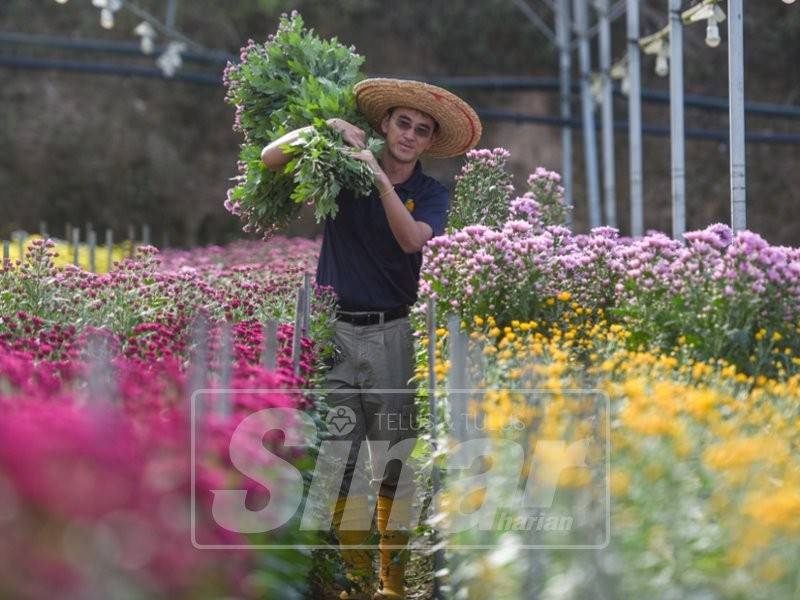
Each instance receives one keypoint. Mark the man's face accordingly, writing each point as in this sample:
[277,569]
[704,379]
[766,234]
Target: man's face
[408,132]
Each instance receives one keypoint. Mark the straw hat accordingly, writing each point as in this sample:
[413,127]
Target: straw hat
[459,126]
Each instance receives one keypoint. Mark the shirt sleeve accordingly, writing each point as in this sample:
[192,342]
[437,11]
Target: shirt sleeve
[433,210]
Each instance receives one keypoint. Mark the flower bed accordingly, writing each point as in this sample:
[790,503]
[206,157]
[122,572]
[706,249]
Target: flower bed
[704,465]
[694,344]
[96,372]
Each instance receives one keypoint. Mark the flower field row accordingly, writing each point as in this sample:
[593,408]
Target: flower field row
[717,295]
[642,395]
[668,369]
[96,372]
[64,253]
[704,477]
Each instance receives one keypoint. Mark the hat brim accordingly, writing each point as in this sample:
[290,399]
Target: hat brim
[459,125]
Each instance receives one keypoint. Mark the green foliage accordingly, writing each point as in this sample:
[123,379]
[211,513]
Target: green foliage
[321,169]
[483,190]
[294,80]
[545,188]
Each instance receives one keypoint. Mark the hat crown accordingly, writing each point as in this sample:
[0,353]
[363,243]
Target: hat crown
[459,125]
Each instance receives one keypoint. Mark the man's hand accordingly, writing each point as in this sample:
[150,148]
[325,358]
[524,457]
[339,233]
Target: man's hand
[368,157]
[351,134]
[410,234]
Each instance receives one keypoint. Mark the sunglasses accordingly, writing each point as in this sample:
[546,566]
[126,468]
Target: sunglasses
[421,131]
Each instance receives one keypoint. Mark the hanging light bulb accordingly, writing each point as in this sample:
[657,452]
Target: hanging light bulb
[148,35]
[710,12]
[788,1]
[62,1]
[662,60]
[100,3]
[178,47]
[597,88]
[626,85]
[620,70]
[662,65]
[106,18]
[166,62]
[170,61]
[147,45]
[712,33]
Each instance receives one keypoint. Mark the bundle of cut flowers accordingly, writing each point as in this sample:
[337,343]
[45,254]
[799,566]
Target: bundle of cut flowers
[294,79]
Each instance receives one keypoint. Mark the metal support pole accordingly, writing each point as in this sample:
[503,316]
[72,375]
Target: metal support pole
[92,248]
[616,11]
[297,337]
[76,240]
[306,325]
[537,21]
[100,381]
[635,120]
[172,8]
[563,18]
[457,377]
[438,555]
[609,178]
[270,345]
[589,134]
[21,235]
[131,240]
[198,362]
[109,249]
[676,119]
[736,112]
[431,329]
[224,406]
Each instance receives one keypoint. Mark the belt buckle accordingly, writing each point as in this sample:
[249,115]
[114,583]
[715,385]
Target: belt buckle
[380,317]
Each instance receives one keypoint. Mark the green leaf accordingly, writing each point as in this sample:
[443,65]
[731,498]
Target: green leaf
[295,80]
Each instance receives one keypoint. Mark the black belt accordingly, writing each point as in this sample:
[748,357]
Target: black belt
[372,318]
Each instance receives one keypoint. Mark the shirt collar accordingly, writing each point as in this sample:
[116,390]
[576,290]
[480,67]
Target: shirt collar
[414,182]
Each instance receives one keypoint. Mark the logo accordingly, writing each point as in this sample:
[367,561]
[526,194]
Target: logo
[341,420]
[547,487]
[409,204]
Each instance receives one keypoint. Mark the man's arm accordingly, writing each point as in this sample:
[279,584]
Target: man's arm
[275,159]
[410,234]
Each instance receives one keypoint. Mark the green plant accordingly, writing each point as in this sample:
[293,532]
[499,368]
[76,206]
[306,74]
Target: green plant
[483,190]
[294,79]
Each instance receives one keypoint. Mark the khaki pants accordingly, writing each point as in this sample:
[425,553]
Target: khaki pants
[369,358]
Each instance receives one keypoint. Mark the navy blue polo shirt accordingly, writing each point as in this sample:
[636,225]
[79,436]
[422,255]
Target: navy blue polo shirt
[360,257]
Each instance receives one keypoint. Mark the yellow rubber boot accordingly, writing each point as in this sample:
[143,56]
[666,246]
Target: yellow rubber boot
[353,527]
[393,559]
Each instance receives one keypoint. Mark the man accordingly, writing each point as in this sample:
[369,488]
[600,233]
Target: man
[371,256]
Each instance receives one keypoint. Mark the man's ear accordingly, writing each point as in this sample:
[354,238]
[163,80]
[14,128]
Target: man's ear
[385,124]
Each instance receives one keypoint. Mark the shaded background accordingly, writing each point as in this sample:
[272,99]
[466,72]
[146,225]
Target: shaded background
[115,150]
